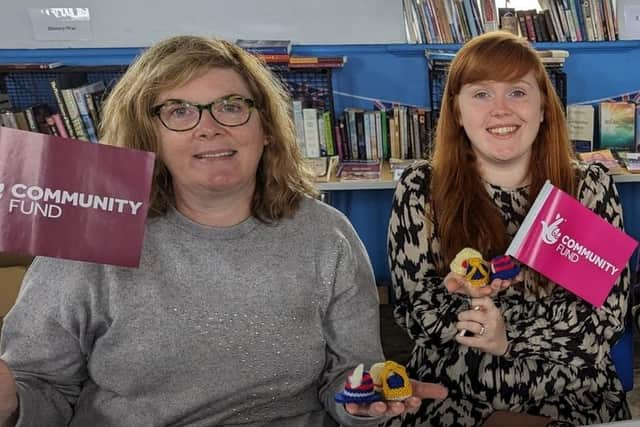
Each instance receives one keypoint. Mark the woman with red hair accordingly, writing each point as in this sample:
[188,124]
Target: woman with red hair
[536,353]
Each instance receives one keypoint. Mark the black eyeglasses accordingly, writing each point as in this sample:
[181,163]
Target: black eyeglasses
[180,116]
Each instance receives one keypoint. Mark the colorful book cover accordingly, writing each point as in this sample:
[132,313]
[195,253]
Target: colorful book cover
[68,199]
[571,245]
[617,125]
[580,123]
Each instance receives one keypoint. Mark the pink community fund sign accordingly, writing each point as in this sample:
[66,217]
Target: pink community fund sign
[571,245]
[70,199]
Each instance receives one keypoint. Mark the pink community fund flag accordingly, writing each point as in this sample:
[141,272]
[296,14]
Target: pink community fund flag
[69,199]
[571,245]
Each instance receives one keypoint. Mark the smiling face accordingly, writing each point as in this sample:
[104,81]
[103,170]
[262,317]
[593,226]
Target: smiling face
[212,160]
[501,119]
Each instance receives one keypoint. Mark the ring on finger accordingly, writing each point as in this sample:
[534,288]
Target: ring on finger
[482,330]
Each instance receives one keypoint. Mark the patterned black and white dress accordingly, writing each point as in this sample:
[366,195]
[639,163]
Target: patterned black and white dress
[559,364]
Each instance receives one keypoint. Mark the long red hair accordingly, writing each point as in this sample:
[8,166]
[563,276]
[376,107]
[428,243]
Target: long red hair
[464,213]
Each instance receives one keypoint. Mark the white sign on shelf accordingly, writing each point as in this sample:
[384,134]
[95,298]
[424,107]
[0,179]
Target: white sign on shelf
[61,23]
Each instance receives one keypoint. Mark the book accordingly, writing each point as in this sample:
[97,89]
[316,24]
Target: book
[617,125]
[571,245]
[322,167]
[488,11]
[311,135]
[8,119]
[553,53]
[5,102]
[298,121]
[273,58]
[606,158]
[67,199]
[359,169]
[580,121]
[24,66]
[267,47]
[637,131]
[317,62]
[630,160]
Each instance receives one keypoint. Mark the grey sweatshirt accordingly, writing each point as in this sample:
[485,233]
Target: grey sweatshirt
[249,325]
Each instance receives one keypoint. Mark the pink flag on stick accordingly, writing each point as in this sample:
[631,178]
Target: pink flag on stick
[69,199]
[571,245]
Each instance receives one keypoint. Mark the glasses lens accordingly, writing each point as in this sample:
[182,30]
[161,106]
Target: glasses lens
[179,116]
[231,111]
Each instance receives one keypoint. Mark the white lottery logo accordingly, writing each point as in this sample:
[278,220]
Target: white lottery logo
[551,232]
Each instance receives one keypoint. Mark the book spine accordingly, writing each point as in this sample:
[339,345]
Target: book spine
[328,133]
[74,114]
[274,59]
[93,112]
[344,136]
[321,136]
[366,126]
[360,136]
[353,135]
[312,139]
[57,119]
[63,109]
[385,134]
[531,28]
[31,120]
[298,121]
[338,140]
[378,132]
[51,124]
[21,120]
[7,119]
[83,110]
[374,135]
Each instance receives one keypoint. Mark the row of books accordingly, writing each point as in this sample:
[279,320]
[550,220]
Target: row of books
[605,125]
[80,104]
[401,132]
[76,115]
[314,130]
[567,20]
[278,52]
[38,118]
[364,136]
[456,21]
[448,21]
[617,162]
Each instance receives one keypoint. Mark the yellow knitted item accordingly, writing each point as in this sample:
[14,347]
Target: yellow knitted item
[477,273]
[376,375]
[457,265]
[395,382]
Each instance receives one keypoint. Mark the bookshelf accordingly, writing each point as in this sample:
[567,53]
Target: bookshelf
[386,182]
[31,87]
[399,73]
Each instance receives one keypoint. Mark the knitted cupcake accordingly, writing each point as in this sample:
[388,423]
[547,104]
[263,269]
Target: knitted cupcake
[504,267]
[459,263]
[477,273]
[395,382]
[358,388]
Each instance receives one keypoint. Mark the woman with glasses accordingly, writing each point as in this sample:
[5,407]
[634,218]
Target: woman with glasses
[252,301]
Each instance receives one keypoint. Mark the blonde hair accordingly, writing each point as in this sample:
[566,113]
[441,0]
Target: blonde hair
[464,213]
[282,180]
